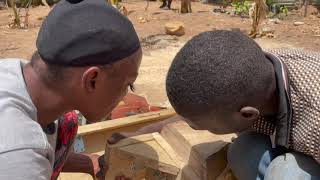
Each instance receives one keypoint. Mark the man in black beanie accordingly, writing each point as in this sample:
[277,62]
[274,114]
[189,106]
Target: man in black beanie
[88,54]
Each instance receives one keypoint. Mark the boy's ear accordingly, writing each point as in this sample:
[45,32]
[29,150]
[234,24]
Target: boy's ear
[249,113]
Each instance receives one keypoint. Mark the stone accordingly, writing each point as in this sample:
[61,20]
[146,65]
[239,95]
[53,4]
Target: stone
[275,21]
[267,30]
[298,23]
[175,28]
[270,35]
[142,20]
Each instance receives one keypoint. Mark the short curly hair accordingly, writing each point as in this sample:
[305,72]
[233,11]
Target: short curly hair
[217,70]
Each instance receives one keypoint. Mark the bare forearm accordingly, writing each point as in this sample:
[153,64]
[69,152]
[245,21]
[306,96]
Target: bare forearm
[79,162]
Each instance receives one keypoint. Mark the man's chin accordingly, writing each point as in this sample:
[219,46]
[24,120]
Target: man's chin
[94,118]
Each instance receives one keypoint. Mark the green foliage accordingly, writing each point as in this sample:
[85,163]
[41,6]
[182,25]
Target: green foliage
[241,7]
[226,3]
[269,3]
[284,10]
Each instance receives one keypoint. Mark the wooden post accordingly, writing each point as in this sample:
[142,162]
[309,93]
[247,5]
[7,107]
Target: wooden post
[186,6]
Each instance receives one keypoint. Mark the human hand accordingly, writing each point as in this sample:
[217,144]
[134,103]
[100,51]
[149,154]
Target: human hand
[99,166]
[116,137]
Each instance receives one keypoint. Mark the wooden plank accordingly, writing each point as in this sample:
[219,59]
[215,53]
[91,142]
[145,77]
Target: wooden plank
[95,142]
[125,122]
[75,176]
[179,153]
[195,147]
[216,164]
[166,147]
[133,140]
[139,156]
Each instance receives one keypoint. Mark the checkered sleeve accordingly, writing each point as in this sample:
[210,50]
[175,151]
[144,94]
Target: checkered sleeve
[264,126]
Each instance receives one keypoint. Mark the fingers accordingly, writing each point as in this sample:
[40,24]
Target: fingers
[103,168]
[116,137]
[100,175]
[101,161]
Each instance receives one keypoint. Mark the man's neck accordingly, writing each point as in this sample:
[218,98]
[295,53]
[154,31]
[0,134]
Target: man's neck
[49,103]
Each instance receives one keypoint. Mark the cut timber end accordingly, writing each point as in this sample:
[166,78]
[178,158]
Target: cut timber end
[180,134]
[141,156]
[196,146]
[178,153]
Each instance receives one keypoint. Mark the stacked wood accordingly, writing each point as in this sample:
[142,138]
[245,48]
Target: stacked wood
[177,153]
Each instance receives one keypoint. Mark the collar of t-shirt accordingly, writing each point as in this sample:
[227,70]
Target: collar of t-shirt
[283,117]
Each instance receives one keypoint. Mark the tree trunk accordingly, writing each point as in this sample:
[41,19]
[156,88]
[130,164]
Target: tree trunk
[26,17]
[306,3]
[186,6]
[2,4]
[16,21]
[44,2]
[259,13]
[146,8]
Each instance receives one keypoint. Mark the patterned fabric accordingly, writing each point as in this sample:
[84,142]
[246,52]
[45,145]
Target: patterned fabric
[67,131]
[264,126]
[303,70]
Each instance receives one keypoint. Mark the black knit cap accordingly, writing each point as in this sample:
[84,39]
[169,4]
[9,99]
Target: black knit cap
[86,32]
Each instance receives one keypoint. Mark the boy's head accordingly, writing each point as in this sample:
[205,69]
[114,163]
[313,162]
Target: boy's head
[220,81]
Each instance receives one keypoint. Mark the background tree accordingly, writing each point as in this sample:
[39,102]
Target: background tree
[260,10]
[186,6]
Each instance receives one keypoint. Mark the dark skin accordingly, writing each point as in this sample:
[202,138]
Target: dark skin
[221,122]
[93,90]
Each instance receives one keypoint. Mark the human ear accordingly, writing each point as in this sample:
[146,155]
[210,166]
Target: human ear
[249,113]
[89,78]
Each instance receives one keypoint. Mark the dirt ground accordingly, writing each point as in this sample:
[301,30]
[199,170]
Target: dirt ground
[159,49]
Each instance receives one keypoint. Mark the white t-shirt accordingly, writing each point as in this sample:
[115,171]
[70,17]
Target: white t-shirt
[26,151]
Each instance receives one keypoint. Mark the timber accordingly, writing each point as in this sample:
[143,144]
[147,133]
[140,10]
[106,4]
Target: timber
[95,135]
[125,122]
[177,153]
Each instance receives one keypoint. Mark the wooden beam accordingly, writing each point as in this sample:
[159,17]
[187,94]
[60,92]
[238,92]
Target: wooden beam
[125,122]
[136,156]
[179,152]
[196,146]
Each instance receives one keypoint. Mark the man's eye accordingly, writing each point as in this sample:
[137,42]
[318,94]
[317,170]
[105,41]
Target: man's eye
[131,87]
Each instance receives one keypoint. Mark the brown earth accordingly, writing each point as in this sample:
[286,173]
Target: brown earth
[159,49]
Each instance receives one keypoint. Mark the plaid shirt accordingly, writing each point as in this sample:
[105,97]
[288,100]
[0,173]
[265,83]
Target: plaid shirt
[297,124]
